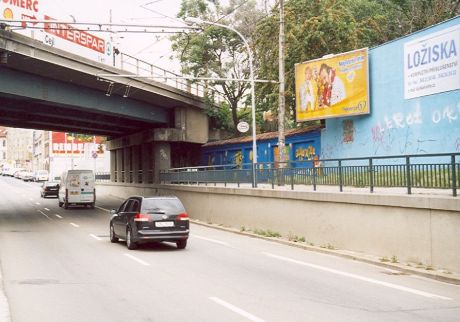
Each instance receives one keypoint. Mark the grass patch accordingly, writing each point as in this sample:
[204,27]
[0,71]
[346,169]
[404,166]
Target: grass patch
[267,233]
[295,238]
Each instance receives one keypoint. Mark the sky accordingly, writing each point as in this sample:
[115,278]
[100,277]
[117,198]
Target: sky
[154,48]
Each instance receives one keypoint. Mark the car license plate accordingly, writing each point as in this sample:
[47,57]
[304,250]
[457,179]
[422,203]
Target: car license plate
[164,224]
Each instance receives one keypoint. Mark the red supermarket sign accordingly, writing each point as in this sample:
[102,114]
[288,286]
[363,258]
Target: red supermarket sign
[31,5]
[66,143]
[72,34]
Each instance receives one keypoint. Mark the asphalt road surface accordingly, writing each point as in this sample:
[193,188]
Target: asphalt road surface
[58,265]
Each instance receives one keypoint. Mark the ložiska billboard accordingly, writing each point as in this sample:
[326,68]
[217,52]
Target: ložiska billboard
[336,86]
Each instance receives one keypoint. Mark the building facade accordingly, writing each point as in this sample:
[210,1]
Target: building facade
[3,144]
[19,146]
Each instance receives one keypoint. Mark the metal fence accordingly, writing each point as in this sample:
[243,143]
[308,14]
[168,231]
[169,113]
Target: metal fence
[430,171]
[142,68]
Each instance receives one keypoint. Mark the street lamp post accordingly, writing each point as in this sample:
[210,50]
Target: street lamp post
[194,20]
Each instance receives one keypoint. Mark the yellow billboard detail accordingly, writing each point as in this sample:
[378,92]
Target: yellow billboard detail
[336,86]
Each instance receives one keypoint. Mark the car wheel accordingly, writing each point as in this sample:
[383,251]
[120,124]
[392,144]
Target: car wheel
[129,240]
[113,238]
[92,205]
[66,205]
[60,203]
[181,244]
[41,195]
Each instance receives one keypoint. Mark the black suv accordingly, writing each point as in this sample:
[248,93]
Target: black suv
[49,188]
[144,219]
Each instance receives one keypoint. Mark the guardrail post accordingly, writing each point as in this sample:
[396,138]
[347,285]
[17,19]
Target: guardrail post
[454,175]
[340,176]
[408,176]
[292,177]
[272,171]
[371,175]
[254,175]
[314,176]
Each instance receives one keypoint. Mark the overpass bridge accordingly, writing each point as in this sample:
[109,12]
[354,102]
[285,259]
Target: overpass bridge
[147,122]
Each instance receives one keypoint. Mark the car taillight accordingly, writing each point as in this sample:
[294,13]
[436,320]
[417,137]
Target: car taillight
[141,217]
[182,216]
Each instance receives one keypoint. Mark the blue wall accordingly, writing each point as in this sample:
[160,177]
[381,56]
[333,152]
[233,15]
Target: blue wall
[302,146]
[428,124]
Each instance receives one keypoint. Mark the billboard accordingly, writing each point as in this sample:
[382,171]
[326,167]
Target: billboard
[77,144]
[336,86]
[95,46]
[432,63]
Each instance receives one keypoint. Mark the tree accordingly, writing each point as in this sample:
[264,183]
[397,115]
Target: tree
[217,52]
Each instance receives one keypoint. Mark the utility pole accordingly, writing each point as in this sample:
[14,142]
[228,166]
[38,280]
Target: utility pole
[281,99]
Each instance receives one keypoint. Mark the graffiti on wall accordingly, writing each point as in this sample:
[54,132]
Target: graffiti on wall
[348,131]
[307,153]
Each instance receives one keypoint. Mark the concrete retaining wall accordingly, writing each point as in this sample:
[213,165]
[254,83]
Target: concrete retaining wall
[416,229]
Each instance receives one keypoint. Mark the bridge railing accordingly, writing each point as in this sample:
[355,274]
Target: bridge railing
[142,68]
[428,171]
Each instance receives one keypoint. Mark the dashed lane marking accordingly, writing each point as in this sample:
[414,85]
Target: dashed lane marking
[134,258]
[44,214]
[95,237]
[75,225]
[236,309]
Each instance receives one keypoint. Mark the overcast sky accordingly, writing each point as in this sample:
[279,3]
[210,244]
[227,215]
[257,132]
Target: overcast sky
[154,48]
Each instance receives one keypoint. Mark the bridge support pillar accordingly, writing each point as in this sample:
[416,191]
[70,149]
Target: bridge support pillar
[119,164]
[113,165]
[135,163]
[127,164]
[147,163]
[162,158]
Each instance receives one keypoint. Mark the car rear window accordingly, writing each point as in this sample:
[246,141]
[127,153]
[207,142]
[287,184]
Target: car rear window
[162,205]
[51,184]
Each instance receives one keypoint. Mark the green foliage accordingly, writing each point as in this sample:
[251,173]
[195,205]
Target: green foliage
[267,233]
[217,52]
[219,115]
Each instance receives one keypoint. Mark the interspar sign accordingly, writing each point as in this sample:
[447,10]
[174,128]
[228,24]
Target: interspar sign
[95,46]
[333,87]
[432,63]
[79,37]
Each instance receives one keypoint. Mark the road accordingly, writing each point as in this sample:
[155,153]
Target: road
[58,265]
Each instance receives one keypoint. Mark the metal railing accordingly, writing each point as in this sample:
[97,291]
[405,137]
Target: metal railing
[138,174]
[142,68]
[429,171]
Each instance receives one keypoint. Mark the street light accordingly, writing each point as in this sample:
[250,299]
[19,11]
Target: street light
[194,20]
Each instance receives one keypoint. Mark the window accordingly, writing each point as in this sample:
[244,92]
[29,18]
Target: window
[134,206]
[4,143]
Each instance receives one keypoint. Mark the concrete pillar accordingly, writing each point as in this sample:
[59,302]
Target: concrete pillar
[136,159]
[127,164]
[113,165]
[147,163]
[162,158]
[119,153]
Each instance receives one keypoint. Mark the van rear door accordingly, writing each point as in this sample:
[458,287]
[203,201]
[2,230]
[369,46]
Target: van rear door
[87,187]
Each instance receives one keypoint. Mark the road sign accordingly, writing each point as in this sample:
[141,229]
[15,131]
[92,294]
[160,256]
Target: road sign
[243,127]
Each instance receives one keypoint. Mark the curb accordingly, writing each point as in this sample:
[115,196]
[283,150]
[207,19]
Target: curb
[4,306]
[442,277]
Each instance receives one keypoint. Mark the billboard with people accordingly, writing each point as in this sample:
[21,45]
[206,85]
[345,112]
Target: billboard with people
[334,86]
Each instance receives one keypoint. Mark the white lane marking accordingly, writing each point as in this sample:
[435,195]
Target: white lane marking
[102,208]
[134,258]
[95,237]
[211,240]
[60,217]
[46,209]
[358,277]
[37,203]
[75,225]
[44,214]
[236,309]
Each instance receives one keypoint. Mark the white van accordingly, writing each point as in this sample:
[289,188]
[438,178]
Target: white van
[77,187]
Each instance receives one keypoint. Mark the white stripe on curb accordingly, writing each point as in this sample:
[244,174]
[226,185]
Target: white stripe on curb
[236,309]
[358,277]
